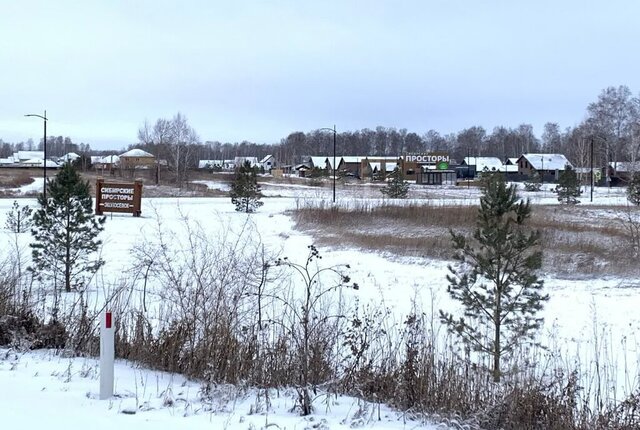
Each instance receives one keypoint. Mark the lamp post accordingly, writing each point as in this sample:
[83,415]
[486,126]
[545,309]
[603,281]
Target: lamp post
[334,159]
[44,147]
[591,163]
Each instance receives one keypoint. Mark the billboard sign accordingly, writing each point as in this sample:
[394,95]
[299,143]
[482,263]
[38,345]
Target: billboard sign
[118,197]
[427,158]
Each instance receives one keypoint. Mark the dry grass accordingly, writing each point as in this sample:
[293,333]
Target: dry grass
[16,180]
[575,240]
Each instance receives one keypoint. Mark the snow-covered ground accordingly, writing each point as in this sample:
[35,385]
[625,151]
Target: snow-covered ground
[41,390]
[578,310]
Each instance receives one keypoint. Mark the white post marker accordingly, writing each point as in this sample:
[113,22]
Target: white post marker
[107,356]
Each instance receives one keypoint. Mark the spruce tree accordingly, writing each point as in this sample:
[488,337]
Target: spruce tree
[495,277]
[568,188]
[633,190]
[245,191]
[397,188]
[65,232]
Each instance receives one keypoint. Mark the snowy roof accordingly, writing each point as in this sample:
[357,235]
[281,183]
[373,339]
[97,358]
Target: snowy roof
[265,159]
[547,161]
[625,166]
[70,156]
[320,162]
[240,160]
[136,153]
[27,155]
[352,159]
[511,161]
[108,159]
[389,167]
[203,164]
[484,164]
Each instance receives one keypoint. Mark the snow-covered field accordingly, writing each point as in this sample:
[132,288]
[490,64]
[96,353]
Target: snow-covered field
[578,313]
[41,390]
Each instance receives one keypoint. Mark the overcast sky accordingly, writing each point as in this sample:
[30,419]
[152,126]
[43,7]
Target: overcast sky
[259,70]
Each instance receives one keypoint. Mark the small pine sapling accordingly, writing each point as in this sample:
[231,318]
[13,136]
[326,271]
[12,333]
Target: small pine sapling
[568,188]
[633,190]
[397,188]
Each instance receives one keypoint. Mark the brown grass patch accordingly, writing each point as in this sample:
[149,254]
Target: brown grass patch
[17,180]
[576,241]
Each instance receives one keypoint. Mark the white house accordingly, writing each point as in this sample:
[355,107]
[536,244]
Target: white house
[484,164]
[253,161]
[268,162]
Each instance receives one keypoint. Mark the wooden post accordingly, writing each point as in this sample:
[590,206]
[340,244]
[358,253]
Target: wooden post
[99,183]
[137,198]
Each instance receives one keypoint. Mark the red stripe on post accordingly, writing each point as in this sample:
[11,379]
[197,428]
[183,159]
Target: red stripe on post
[108,320]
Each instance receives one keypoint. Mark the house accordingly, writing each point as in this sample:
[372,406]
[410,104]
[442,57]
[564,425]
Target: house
[28,156]
[108,162]
[137,158]
[323,163]
[483,164]
[351,165]
[622,170]
[239,161]
[268,163]
[548,166]
[211,164]
[70,157]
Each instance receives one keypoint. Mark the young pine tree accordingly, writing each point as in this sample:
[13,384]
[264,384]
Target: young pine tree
[19,218]
[245,191]
[535,182]
[495,279]
[65,232]
[633,190]
[568,188]
[397,188]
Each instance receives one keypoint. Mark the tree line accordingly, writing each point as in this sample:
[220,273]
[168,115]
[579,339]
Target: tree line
[612,122]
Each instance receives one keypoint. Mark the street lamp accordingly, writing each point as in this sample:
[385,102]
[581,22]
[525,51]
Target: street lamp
[591,163]
[334,159]
[44,146]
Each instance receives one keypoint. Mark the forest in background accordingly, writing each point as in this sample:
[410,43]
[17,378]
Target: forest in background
[612,122]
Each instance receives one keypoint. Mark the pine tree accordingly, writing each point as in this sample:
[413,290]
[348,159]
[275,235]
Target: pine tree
[633,190]
[568,188]
[535,182]
[65,232]
[245,191]
[397,188]
[495,278]
[19,218]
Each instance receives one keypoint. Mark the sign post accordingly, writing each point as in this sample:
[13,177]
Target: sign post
[107,355]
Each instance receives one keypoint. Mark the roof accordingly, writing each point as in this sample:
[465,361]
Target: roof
[625,166]
[108,159]
[137,153]
[352,159]
[265,159]
[203,164]
[511,161]
[320,162]
[484,164]
[546,161]
[241,160]
[389,167]
[70,156]
[28,155]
